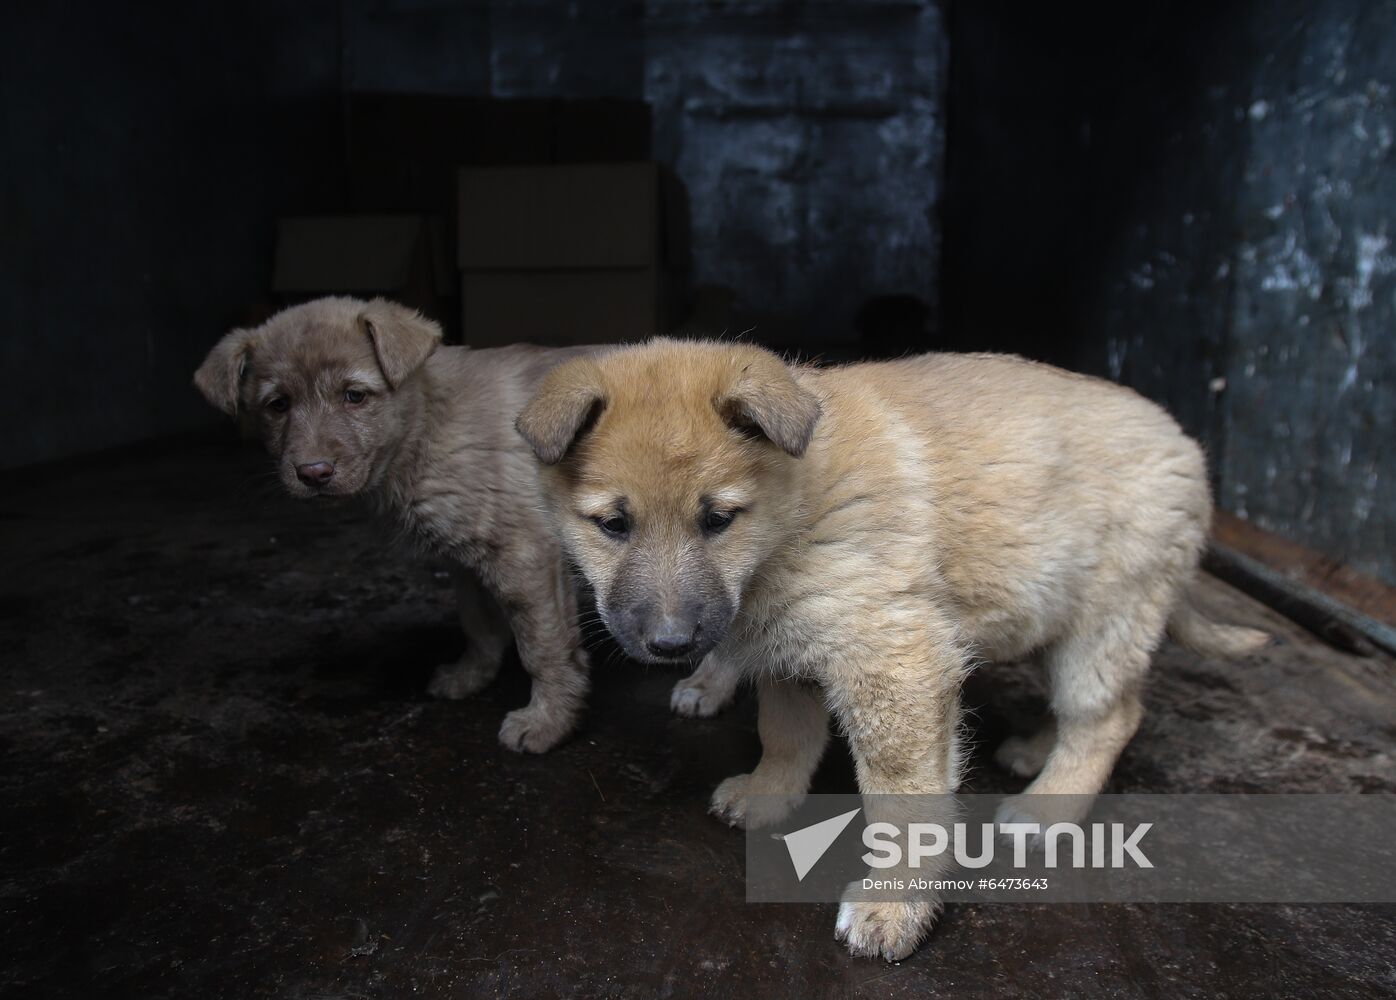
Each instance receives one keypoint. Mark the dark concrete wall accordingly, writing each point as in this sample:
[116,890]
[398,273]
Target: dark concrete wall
[811,141]
[1198,202]
[147,151]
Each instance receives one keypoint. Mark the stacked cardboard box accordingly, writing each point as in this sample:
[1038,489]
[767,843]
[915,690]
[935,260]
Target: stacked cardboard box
[558,236]
[587,253]
[402,257]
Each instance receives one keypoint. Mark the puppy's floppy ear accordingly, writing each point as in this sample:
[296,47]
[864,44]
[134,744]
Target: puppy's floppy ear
[567,402]
[402,338]
[219,378]
[766,399]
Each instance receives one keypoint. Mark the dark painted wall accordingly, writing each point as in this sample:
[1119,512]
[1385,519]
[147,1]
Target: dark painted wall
[1198,202]
[146,152]
[150,148]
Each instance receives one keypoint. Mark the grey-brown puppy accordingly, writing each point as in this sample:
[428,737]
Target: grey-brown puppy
[856,537]
[357,398]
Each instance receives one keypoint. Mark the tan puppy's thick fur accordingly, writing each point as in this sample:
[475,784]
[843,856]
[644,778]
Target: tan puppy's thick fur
[856,538]
[357,398]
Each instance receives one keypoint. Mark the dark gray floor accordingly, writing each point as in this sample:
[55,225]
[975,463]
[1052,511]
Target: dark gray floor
[221,779]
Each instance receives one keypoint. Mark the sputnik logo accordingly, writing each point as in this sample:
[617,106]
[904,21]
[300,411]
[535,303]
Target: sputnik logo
[807,845]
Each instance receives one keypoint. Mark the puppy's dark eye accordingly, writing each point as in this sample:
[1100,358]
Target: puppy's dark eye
[615,525]
[354,396]
[278,404]
[717,521]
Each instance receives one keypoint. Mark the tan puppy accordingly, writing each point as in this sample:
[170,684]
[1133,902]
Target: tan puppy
[856,538]
[357,398]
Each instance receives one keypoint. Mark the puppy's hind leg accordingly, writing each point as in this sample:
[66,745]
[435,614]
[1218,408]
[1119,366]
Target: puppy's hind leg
[1096,678]
[706,691]
[487,639]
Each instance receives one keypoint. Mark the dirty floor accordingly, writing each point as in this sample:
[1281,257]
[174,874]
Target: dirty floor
[219,777]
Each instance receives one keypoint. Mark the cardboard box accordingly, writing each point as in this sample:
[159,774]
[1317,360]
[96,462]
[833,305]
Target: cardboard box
[402,257]
[578,254]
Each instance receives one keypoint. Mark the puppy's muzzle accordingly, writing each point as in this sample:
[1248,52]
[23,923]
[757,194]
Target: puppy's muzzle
[670,635]
[316,475]
[672,638]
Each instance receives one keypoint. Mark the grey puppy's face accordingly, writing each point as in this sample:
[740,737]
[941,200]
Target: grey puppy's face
[328,387]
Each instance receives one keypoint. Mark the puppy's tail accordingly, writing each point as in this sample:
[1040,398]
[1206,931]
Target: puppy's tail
[1190,628]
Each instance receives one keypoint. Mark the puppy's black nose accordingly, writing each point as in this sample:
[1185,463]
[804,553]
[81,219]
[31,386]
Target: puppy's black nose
[315,473]
[671,642]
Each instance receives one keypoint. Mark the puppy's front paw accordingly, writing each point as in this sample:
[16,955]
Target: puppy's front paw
[1044,810]
[469,675]
[706,691]
[1021,756]
[692,697]
[535,728]
[744,801]
[889,931]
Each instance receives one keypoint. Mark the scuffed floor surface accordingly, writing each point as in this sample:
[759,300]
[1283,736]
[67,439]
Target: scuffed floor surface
[221,778]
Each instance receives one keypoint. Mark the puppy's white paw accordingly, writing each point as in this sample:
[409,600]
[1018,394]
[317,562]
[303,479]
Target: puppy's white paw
[890,931]
[706,691]
[696,701]
[1018,809]
[536,728]
[1044,810]
[729,800]
[469,675]
[745,802]
[1020,756]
